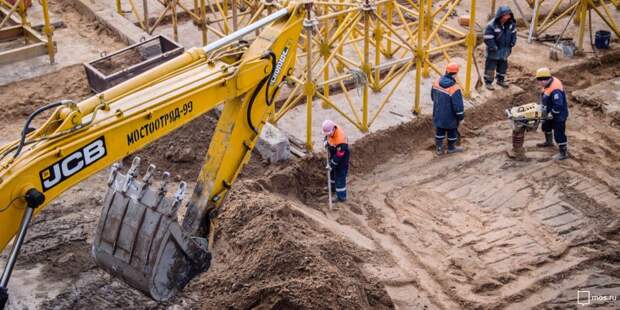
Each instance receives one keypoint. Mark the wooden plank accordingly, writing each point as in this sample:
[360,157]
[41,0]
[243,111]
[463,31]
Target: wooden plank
[11,33]
[23,53]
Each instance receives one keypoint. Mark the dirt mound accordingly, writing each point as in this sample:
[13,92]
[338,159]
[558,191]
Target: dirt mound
[19,99]
[182,152]
[305,179]
[270,255]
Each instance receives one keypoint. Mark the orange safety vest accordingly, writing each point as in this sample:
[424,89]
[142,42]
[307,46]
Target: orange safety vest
[555,85]
[450,90]
[337,138]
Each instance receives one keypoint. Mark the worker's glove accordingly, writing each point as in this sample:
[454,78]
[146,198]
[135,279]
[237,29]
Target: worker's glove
[550,116]
[325,143]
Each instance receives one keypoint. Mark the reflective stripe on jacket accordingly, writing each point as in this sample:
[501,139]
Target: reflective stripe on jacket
[500,39]
[447,99]
[554,100]
[338,148]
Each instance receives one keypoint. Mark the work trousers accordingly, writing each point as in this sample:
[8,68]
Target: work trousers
[493,65]
[339,181]
[440,135]
[558,128]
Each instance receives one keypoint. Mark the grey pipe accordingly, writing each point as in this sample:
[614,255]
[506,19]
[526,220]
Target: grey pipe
[245,30]
[8,269]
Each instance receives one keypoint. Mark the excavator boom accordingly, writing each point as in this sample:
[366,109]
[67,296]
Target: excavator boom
[138,237]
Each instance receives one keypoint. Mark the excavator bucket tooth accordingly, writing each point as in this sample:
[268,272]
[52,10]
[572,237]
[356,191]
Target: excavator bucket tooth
[138,237]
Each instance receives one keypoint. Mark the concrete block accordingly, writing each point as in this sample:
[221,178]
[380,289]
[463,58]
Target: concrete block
[273,144]
[125,29]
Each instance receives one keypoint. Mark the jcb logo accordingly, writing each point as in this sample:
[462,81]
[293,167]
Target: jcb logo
[72,164]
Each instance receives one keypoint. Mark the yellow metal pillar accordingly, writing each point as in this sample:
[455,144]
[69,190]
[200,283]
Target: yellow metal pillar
[471,44]
[582,13]
[428,20]
[340,50]
[22,13]
[235,8]
[378,38]
[224,15]
[145,10]
[203,22]
[309,86]
[48,29]
[366,64]
[119,8]
[325,52]
[175,29]
[24,17]
[390,21]
[419,57]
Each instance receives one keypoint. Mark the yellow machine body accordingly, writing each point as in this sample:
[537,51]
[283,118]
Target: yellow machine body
[81,139]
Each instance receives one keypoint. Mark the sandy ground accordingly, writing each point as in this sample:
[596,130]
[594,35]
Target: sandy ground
[80,40]
[473,230]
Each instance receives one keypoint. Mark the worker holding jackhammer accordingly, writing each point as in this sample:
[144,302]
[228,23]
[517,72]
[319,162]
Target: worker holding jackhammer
[337,146]
[448,110]
[500,36]
[555,105]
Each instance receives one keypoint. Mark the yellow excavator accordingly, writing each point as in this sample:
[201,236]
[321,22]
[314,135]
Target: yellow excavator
[139,237]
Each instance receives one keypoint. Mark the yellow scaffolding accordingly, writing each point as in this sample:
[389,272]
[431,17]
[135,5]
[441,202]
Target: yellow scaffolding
[373,44]
[368,45]
[216,17]
[13,28]
[581,9]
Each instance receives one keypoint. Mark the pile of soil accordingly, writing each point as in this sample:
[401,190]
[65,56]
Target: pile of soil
[19,99]
[269,255]
[118,63]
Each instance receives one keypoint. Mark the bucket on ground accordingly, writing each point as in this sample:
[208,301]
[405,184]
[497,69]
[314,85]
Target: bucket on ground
[602,38]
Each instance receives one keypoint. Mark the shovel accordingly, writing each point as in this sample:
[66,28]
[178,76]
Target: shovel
[329,183]
[479,81]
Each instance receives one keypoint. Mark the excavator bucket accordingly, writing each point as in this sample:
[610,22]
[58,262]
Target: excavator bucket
[139,239]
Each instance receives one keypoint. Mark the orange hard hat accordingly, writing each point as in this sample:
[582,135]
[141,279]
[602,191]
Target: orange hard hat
[452,67]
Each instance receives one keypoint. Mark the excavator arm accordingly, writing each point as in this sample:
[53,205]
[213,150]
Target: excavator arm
[138,237]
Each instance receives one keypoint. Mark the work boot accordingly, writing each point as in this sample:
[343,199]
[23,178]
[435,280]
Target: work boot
[548,140]
[439,147]
[563,154]
[452,148]
[502,83]
[489,86]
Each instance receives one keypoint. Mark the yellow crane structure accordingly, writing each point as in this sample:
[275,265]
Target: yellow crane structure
[372,43]
[15,25]
[139,238]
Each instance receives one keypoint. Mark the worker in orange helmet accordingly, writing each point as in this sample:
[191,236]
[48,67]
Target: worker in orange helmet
[337,146]
[448,110]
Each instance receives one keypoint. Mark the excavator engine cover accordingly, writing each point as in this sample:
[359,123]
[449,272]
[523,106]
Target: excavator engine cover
[139,239]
